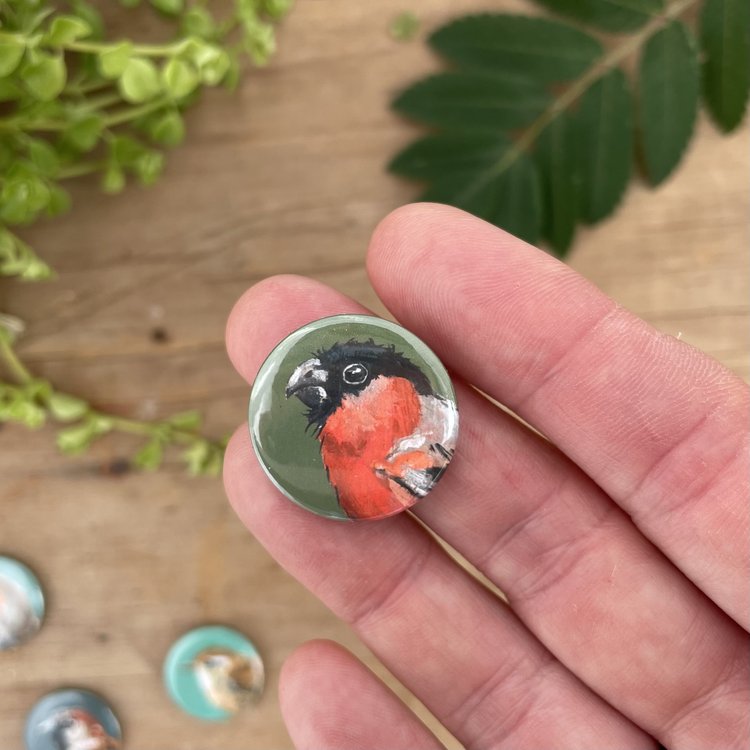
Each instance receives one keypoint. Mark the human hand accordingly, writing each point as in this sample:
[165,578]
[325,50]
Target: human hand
[623,551]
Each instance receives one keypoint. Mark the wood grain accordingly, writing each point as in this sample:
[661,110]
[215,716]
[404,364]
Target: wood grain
[285,176]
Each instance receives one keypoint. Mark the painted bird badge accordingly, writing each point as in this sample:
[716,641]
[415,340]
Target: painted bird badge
[76,729]
[385,435]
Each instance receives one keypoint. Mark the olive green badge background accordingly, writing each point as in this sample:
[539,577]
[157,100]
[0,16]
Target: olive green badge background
[286,447]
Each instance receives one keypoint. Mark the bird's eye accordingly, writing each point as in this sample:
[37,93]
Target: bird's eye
[355,374]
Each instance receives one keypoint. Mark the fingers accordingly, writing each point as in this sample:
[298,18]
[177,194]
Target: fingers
[599,595]
[660,426]
[442,634]
[452,643]
[331,701]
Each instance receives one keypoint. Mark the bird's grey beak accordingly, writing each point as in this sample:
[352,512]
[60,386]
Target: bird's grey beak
[308,382]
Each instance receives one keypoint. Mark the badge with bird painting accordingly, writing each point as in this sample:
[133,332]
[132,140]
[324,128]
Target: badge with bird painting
[212,672]
[353,417]
[72,719]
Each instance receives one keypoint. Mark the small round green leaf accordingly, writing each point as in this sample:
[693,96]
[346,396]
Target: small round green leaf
[23,197]
[59,201]
[65,29]
[113,179]
[169,7]
[148,167]
[43,157]
[180,77]
[113,61]
[88,13]
[83,132]
[198,21]
[44,76]
[66,408]
[168,128]
[11,52]
[404,27]
[149,457]
[140,81]
[276,8]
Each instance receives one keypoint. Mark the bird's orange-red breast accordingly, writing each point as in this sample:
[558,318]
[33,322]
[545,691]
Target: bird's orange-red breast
[357,439]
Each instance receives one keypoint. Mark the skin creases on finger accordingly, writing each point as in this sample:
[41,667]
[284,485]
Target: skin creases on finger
[457,647]
[603,615]
[660,426]
[453,644]
[330,700]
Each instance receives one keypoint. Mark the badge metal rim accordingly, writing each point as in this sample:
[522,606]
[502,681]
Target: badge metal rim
[299,333]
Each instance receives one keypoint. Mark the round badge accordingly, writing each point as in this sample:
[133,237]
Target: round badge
[212,672]
[71,719]
[353,417]
[21,603]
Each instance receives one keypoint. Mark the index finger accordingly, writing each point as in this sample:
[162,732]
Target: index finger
[659,425]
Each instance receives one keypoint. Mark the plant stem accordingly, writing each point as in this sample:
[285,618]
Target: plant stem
[13,363]
[143,50]
[133,113]
[581,85]
[79,170]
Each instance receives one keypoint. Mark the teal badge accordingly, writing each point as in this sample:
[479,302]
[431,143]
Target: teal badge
[212,672]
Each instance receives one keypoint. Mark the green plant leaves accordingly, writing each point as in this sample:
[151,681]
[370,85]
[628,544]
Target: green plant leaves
[725,36]
[668,82]
[449,154]
[140,80]
[505,191]
[605,119]
[536,120]
[608,15]
[560,168]
[537,48]
[113,60]
[11,52]
[44,76]
[473,101]
[66,29]
[180,78]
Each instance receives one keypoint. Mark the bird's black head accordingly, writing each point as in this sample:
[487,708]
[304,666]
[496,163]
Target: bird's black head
[321,382]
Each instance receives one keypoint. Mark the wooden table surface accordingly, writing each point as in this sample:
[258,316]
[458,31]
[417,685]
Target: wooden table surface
[285,176]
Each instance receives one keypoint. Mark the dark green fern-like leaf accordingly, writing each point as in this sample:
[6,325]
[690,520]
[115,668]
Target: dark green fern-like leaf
[608,15]
[535,122]
[444,155]
[473,101]
[725,37]
[560,175]
[668,83]
[506,196]
[544,50]
[605,119]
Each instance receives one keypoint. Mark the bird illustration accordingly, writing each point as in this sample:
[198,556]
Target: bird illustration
[18,621]
[385,435]
[77,729]
[228,679]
